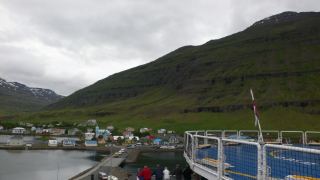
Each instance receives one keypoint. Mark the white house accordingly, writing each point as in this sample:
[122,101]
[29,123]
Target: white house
[142,130]
[33,128]
[127,134]
[16,141]
[18,130]
[136,138]
[91,143]
[68,142]
[161,131]
[91,122]
[39,130]
[52,143]
[110,128]
[130,129]
[1,128]
[88,136]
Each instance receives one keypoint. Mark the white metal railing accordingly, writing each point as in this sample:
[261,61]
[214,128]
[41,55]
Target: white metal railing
[221,158]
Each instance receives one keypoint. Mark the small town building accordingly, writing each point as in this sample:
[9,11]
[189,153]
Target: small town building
[91,143]
[161,131]
[59,132]
[142,130]
[88,136]
[156,141]
[52,143]
[50,126]
[18,130]
[29,124]
[68,142]
[15,141]
[130,129]
[173,139]
[110,128]
[1,128]
[127,134]
[101,141]
[33,128]
[101,131]
[163,142]
[91,122]
[39,130]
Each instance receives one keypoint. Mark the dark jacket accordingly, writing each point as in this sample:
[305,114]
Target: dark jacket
[140,178]
[158,172]
[178,173]
[187,172]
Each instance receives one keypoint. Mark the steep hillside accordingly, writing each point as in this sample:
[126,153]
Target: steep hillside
[278,57]
[16,98]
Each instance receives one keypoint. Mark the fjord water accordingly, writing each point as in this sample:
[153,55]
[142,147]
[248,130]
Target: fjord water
[151,159]
[46,164]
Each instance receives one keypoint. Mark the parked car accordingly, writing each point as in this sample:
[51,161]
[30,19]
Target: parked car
[163,147]
[102,175]
[138,144]
[130,146]
[120,152]
[112,177]
[171,147]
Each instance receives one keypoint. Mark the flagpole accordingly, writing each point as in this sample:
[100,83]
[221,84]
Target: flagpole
[260,138]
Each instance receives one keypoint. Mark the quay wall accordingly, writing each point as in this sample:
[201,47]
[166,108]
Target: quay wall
[81,148]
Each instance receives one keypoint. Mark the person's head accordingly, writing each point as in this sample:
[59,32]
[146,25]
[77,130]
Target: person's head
[165,167]
[145,166]
[158,165]
[177,166]
[187,166]
[139,169]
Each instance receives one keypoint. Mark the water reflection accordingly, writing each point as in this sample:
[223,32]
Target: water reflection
[43,164]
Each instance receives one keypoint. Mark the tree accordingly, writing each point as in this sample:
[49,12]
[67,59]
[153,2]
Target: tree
[100,136]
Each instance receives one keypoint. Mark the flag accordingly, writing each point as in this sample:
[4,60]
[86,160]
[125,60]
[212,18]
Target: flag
[255,110]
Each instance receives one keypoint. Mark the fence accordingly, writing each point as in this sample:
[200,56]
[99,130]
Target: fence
[221,158]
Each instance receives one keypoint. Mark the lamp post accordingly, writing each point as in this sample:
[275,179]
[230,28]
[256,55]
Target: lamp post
[58,170]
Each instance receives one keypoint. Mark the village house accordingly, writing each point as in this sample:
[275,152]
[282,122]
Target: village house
[91,143]
[89,130]
[18,130]
[1,128]
[142,130]
[50,126]
[101,141]
[39,130]
[88,136]
[15,141]
[117,138]
[162,142]
[161,131]
[110,128]
[156,141]
[68,142]
[73,131]
[21,123]
[33,128]
[91,122]
[173,139]
[52,143]
[29,124]
[101,131]
[82,125]
[127,134]
[170,132]
[130,129]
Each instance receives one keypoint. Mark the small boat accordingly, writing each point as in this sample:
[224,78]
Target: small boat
[231,144]
[296,177]
[204,146]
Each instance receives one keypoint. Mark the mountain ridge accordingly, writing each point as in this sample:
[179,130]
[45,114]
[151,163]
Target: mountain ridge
[278,58]
[17,97]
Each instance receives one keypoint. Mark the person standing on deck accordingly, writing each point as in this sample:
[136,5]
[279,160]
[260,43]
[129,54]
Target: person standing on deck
[146,173]
[187,172]
[158,172]
[139,178]
[166,174]
[177,172]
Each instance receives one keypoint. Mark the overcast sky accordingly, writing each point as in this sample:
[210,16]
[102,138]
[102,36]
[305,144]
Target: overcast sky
[66,45]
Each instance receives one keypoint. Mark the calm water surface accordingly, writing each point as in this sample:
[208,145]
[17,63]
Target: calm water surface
[43,164]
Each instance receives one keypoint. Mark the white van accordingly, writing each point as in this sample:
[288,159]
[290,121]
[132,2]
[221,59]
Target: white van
[138,144]
[102,175]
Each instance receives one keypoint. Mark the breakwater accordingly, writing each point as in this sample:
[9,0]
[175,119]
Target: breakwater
[133,156]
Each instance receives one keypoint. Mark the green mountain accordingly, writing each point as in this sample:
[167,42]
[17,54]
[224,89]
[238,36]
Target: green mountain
[277,57]
[18,98]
